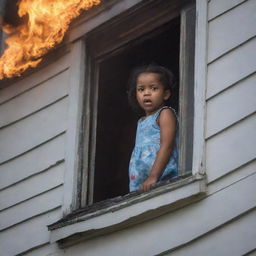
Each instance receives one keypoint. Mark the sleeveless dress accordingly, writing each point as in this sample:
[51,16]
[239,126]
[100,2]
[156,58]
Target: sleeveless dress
[144,153]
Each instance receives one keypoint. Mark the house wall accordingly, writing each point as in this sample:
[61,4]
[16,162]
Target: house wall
[32,133]
[33,138]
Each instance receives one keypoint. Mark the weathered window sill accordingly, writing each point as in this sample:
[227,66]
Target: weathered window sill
[122,212]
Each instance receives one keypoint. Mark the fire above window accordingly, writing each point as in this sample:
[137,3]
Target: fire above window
[42,26]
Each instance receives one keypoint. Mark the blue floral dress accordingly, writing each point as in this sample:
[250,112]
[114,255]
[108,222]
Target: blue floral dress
[144,153]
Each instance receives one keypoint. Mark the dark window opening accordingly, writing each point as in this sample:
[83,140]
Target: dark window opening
[116,121]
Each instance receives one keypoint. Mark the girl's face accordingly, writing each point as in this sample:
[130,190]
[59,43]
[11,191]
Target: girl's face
[150,92]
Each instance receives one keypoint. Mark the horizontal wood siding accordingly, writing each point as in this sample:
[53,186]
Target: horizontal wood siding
[28,234]
[218,7]
[32,131]
[238,24]
[38,204]
[220,242]
[31,187]
[34,79]
[24,166]
[231,106]
[230,128]
[34,99]
[231,149]
[231,68]
[36,120]
[231,90]
[183,226]
[45,249]
[33,124]
[233,177]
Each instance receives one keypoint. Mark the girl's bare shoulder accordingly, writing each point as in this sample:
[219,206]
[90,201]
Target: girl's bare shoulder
[167,115]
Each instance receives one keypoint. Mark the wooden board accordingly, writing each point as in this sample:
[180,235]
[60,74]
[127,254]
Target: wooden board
[33,130]
[32,187]
[34,79]
[232,29]
[28,209]
[231,106]
[29,234]
[217,7]
[24,166]
[231,149]
[235,238]
[177,228]
[35,99]
[231,68]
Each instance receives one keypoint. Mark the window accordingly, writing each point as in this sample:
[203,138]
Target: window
[150,30]
[156,31]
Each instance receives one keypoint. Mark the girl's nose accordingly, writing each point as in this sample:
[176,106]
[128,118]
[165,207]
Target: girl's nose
[147,92]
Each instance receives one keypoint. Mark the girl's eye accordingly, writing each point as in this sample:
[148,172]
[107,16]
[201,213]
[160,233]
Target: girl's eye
[140,89]
[154,88]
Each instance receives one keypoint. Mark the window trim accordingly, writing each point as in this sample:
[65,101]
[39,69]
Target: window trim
[130,211]
[76,97]
[98,52]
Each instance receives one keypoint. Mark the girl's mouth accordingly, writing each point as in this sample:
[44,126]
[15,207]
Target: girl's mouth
[147,102]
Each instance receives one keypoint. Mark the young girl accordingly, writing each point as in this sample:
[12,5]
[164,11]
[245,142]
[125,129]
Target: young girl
[155,155]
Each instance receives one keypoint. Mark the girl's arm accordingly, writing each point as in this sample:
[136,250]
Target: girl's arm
[167,123]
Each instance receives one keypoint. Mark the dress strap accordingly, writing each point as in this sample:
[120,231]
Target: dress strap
[165,107]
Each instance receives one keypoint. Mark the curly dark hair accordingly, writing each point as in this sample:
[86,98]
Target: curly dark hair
[166,78]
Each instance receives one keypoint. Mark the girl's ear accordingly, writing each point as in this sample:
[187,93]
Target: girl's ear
[167,94]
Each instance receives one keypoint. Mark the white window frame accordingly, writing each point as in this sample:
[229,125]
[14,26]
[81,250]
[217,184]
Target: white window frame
[118,215]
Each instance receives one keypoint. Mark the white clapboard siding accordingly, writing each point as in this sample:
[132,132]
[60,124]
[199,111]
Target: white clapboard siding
[28,235]
[217,7]
[35,99]
[231,68]
[234,239]
[240,173]
[231,106]
[22,167]
[46,249]
[230,30]
[230,149]
[252,253]
[33,130]
[31,187]
[177,228]
[30,208]
[34,79]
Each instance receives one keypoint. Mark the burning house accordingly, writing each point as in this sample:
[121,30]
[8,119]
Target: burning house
[67,131]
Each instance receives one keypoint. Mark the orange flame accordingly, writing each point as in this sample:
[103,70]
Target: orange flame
[45,26]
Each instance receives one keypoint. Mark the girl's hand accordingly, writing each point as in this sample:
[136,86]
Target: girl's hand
[146,186]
